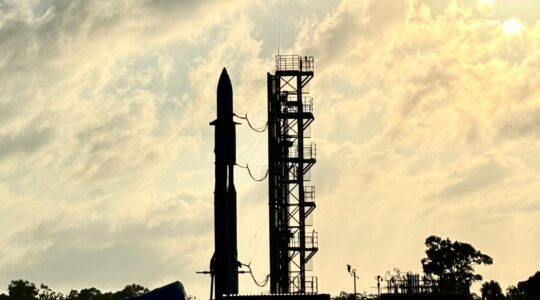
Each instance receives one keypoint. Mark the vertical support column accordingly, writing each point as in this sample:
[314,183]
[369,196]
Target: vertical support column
[300,176]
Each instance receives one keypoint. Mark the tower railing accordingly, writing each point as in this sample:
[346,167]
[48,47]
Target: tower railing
[309,151]
[311,282]
[311,240]
[309,194]
[294,63]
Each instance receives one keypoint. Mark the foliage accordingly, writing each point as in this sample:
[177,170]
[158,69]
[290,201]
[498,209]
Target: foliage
[344,296]
[491,290]
[22,290]
[452,263]
[526,290]
[25,290]
[131,290]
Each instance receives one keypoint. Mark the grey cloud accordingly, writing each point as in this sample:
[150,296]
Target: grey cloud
[354,22]
[58,231]
[26,141]
[520,124]
[101,252]
[8,110]
[424,87]
[86,265]
[476,179]
[39,35]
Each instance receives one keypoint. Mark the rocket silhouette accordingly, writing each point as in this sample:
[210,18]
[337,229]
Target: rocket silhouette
[224,264]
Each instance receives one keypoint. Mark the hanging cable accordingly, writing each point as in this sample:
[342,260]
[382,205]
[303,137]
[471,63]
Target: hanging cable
[255,142]
[251,175]
[258,283]
[250,242]
[256,248]
[262,129]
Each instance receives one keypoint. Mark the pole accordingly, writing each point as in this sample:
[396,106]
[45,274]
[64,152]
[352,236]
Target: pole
[354,276]
[352,272]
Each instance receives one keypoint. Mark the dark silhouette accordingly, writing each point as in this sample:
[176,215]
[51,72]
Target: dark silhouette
[452,264]
[293,242]
[526,290]
[173,291]
[224,264]
[22,290]
[344,296]
[73,295]
[45,293]
[90,294]
[491,290]
[131,290]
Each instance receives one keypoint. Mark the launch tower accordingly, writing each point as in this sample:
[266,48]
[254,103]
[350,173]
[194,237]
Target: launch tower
[290,158]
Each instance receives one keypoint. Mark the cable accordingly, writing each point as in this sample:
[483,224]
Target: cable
[260,284]
[254,142]
[250,242]
[256,97]
[256,147]
[256,248]
[262,129]
[251,175]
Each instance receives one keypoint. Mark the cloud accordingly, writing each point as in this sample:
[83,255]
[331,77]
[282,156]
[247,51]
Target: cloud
[476,176]
[425,121]
[437,106]
[27,141]
[520,124]
[76,253]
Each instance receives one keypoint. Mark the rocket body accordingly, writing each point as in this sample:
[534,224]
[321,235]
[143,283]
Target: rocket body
[224,265]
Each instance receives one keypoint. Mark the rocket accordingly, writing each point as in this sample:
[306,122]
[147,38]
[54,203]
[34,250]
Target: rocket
[224,264]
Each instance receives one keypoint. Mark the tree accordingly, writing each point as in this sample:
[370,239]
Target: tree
[45,293]
[452,264]
[73,295]
[526,290]
[491,290]
[22,290]
[131,290]
[344,296]
[90,294]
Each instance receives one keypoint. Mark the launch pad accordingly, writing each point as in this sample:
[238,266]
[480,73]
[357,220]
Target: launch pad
[291,202]
[280,297]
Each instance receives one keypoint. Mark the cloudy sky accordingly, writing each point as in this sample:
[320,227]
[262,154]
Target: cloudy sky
[427,122]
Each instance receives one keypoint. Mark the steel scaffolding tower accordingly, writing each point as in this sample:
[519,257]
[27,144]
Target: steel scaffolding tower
[290,158]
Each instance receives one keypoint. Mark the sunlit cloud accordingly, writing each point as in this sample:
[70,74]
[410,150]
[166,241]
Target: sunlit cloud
[512,26]
[427,118]
[486,2]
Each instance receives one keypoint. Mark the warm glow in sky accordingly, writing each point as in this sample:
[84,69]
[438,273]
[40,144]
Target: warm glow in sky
[512,26]
[427,121]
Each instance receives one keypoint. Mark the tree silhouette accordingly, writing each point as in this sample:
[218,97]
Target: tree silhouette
[491,290]
[25,290]
[73,295]
[526,290]
[131,290]
[344,296]
[452,263]
[90,294]
[22,290]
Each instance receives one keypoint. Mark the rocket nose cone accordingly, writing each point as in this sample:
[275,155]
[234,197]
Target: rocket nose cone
[224,96]
[224,72]
[224,80]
